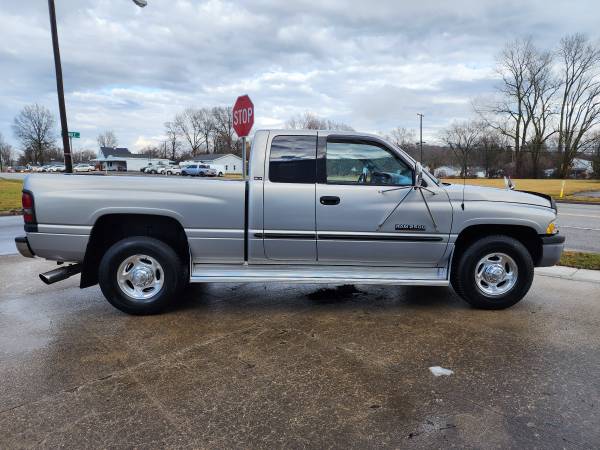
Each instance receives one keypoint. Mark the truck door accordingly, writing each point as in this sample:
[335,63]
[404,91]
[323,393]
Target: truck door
[289,232]
[368,211]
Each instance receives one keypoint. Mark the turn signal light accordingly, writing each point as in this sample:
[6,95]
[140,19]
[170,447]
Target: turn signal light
[27,202]
[552,228]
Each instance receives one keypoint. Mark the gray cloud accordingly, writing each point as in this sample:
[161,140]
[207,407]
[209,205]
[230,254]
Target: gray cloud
[370,64]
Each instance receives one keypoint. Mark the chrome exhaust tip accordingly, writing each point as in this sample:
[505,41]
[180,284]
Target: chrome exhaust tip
[62,273]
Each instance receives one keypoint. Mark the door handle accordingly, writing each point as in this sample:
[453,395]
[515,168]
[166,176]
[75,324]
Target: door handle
[330,200]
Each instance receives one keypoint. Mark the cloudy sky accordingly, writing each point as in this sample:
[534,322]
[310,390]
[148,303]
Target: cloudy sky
[371,64]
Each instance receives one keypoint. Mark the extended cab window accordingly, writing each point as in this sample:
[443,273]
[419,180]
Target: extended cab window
[365,163]
[293,159]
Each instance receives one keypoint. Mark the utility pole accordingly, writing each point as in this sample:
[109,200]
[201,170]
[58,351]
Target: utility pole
[59,84]
[59,88]
[421,135]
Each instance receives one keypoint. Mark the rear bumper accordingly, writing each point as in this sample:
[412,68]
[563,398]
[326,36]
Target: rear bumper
[23,247]
[552,248]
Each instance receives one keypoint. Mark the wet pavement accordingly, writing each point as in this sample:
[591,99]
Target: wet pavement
[255,365]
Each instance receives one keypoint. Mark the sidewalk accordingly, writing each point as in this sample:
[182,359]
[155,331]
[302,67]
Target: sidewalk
[569,273]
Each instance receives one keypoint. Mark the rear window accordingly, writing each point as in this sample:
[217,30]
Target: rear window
[293,159]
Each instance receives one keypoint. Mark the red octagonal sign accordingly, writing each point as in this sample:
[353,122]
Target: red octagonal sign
[243,116]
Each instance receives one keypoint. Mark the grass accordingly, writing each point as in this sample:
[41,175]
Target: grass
[550,187]
[10,195]
[580,260]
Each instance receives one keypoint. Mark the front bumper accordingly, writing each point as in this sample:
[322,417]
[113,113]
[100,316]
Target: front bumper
[552,248]
[23,247]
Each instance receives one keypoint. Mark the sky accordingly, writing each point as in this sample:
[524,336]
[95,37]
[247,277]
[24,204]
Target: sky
[371,64]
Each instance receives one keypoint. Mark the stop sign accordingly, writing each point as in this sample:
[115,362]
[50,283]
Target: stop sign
[243,116]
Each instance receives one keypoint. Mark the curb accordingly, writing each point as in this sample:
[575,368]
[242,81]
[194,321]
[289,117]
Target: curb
[569,273]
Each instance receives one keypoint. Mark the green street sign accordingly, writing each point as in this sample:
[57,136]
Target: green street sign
[74,134]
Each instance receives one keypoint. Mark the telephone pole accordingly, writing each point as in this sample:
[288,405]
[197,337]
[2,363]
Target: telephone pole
[421,135]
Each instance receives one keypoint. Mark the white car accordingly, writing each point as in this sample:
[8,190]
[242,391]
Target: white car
[170,170]
[83,168]
[57,168]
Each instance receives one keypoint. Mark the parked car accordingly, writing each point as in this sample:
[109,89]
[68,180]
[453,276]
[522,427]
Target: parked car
[56,168]
[21,169]
[83,168]
[318,207]
[220,170]
[198,170]
[170,170]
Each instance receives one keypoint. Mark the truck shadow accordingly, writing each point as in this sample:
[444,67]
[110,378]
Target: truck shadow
[277,297]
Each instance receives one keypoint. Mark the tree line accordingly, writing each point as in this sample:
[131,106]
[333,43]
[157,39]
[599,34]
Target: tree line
[544,114]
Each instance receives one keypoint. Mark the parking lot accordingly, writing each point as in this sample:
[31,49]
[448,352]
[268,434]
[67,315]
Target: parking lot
[265,366]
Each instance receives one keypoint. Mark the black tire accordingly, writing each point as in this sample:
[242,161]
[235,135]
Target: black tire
[174,272]
[465,265]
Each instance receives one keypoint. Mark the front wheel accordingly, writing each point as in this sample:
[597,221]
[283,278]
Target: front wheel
[494,272]
[141,275]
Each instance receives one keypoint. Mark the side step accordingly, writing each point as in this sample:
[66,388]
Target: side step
[416,276]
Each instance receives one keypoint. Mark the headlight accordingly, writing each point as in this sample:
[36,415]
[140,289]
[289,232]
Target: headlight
[552,228]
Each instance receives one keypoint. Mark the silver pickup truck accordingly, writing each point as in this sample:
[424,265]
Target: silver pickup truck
[319,207]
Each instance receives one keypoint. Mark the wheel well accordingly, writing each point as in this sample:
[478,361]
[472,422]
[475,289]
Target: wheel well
[112,228]
[526,235]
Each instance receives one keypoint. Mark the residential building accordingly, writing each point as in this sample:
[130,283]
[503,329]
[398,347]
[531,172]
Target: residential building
[122,160]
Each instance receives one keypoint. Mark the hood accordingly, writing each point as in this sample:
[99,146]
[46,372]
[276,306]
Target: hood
[481,193]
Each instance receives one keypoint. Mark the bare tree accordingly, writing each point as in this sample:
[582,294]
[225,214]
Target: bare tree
[539,106]
[403,138]
[580,98]
[510,115]
[490,147]
[34,127]
[188,126]
[6,154]
[83,155]
[208,126]
[107,139]
[223,123]
[310,121]
[462,138]
[172,140]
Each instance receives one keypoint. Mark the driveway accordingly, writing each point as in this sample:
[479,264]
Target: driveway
[274,365]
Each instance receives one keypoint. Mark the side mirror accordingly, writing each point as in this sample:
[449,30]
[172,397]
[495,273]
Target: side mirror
[418,174]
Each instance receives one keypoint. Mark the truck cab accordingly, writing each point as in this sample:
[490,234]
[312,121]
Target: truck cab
[318,207]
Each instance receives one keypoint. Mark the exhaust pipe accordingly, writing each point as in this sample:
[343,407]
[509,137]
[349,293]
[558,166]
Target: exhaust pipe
[62,273]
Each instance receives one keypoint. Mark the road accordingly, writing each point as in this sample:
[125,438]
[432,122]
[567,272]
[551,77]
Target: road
[275,366]
[10,227]
[580,223]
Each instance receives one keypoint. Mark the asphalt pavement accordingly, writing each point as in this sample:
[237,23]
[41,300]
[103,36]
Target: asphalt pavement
[10,227]
[581,225]
[276,365]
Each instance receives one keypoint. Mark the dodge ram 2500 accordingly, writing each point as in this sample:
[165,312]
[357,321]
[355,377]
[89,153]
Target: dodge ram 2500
[319,206]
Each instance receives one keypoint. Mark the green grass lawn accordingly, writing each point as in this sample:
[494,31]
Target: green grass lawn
[580,260]
[545,186]
[10,195]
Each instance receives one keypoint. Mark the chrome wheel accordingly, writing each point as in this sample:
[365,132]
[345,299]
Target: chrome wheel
[496,274]
[140,277]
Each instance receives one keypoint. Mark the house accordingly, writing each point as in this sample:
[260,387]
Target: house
[226,163]
[122,160]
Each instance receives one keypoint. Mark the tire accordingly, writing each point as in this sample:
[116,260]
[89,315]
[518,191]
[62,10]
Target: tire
[508,256]
[220,174]
[169,275]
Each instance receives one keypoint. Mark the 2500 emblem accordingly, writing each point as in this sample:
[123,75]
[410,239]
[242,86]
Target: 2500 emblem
[409,227]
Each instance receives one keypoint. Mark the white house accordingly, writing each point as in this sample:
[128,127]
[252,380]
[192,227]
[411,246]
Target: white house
[122,160]
[226,163]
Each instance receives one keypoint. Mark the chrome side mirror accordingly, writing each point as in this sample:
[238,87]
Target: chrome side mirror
[418,174]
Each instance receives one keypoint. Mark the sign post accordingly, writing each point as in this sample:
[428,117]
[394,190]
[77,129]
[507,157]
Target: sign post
[243,119]
[73,134]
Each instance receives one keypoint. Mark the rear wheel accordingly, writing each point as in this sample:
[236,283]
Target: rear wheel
[494,272]
[141,275]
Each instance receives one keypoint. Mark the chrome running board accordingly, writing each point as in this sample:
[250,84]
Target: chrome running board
[416,276]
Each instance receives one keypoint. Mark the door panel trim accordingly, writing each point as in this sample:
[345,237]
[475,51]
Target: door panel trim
[372,237]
